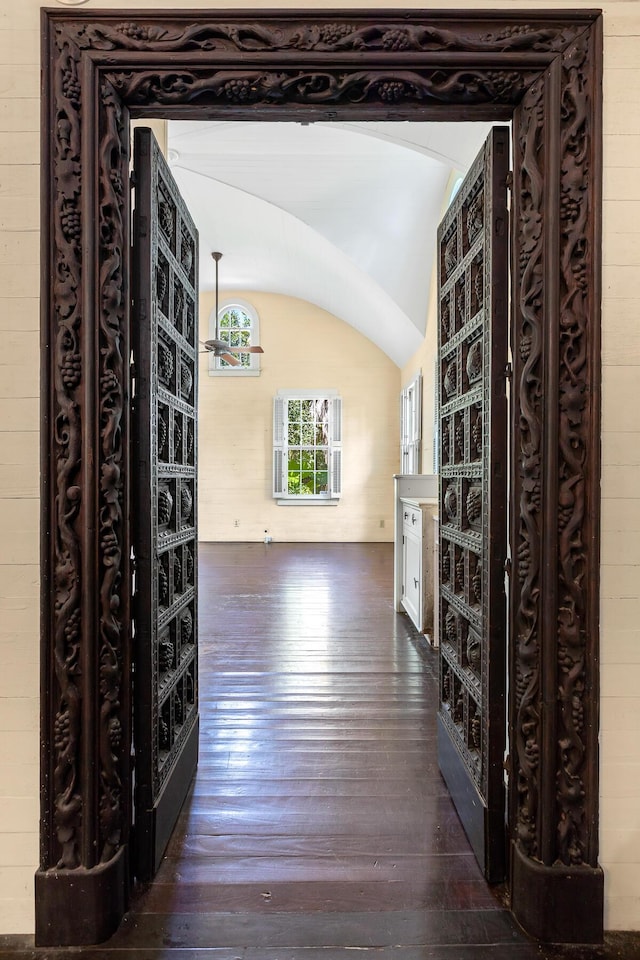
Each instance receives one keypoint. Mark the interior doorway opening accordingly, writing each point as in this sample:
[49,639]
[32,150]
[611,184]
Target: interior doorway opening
[172,224]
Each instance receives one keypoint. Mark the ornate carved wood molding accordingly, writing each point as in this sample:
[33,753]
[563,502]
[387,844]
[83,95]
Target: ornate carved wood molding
[542,68]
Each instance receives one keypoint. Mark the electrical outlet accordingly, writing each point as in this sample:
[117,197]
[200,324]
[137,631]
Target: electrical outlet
[236,523]
[381,524]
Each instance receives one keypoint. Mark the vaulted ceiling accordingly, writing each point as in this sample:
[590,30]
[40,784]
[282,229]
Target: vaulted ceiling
[343,215]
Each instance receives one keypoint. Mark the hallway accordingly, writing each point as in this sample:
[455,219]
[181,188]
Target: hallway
[318,825]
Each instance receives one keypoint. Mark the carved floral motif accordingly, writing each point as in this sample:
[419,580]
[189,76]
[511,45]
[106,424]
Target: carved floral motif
[474,504]
[187,627]
[459,435]
[177,574]
[189,563]
[67,423]
[474,651]
[186,379]
[323,87]
[163,585]
[529,135]
[446,564]
[475,219]
[166,218]
[451,503]
[165,506]
[166,655]
[113,164]
[476,733]
[476,432]
[474,361]
[450,254]
[450,381]
[476,585]
[574,835]
[186,502]
[167,34]
[451,627]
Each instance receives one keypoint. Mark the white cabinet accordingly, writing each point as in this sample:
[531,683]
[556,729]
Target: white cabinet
[435,573]
[416,506]
[417,570]
[412,536]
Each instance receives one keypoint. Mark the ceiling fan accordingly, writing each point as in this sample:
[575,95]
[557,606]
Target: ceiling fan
[220,348]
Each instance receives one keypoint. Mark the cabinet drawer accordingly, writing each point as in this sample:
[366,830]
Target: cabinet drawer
[411,519]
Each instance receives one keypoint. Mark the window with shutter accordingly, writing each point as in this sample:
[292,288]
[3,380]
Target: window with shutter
[307,447]
[411,426]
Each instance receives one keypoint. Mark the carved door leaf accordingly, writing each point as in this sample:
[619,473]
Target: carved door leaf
[472,355]
[165,331]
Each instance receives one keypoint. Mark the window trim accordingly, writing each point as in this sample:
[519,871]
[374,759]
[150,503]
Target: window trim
[252,371]
[332,497]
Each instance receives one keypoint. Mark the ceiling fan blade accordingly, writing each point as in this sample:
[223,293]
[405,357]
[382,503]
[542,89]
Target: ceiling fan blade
[213,345]
[229,358]
[220,348]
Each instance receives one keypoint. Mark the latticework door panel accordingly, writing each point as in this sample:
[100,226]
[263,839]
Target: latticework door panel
[165,354]
[472,345]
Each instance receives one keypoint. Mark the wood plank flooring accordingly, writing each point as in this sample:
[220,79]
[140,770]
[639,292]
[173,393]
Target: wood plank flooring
[318,825]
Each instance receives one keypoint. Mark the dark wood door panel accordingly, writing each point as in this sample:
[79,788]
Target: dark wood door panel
[472,355]
[165,331]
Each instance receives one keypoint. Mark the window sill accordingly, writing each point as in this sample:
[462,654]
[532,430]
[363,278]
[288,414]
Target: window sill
[307,502]
[234,372]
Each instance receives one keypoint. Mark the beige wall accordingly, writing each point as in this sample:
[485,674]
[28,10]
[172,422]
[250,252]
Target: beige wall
[620,585]
[19,279]
[309,349]
[424,359]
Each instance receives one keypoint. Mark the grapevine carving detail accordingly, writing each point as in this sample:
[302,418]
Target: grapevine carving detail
[574,443]
[530,139]
[323,87]
[67,419]
[323,37]
[113,165]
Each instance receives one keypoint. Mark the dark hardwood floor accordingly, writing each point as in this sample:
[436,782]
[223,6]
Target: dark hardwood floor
[318,826]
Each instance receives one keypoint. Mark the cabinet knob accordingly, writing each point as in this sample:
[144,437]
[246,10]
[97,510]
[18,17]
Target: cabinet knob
[415,583]
[413,518]
[406,515]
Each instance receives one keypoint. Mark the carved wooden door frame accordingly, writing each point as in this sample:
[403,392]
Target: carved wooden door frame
[542,70]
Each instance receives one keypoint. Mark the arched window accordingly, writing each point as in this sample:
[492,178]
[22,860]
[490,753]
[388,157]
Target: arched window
[239,327]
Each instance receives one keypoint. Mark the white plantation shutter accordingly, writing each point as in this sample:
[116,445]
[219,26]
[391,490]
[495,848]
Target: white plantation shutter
[411,426]
[279,459]
[336,471]
[416,424]
[335,420]
[416,419]
[404,431]
[335,450]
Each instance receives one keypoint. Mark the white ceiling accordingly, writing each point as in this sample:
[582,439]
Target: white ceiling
[343,215]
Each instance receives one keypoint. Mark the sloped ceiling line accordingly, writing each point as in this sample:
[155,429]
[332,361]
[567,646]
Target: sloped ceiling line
[341,215]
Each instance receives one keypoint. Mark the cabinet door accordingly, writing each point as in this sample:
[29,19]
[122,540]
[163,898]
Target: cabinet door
[165,315]
[472,355]
[412,571]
